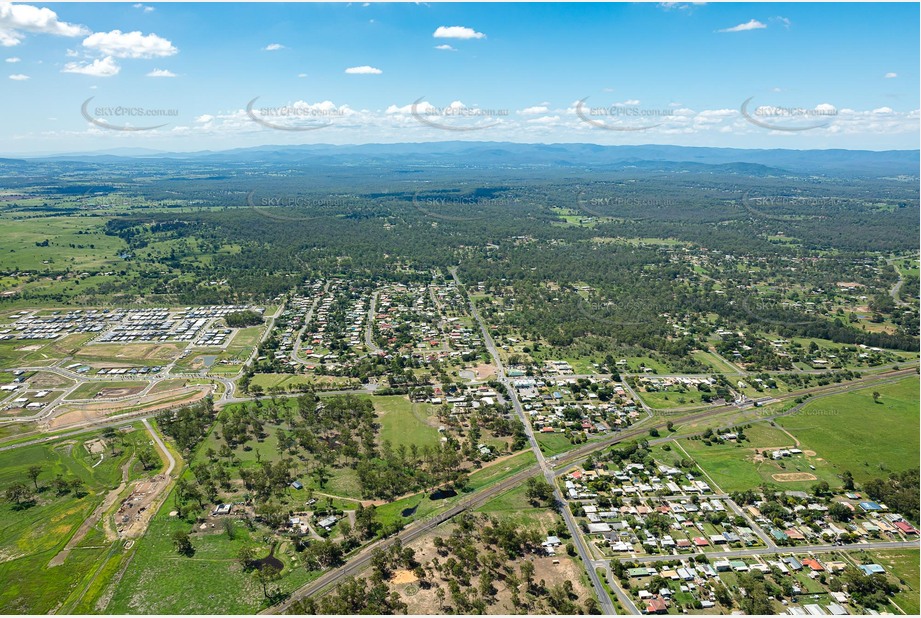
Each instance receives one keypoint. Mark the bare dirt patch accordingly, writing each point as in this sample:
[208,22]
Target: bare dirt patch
[29,348]
[135,512]
[809,453]
[95,446]
[484,370]
[403,576]
[113,392]
[94,517]
[792,477]
[136,351]
[46,380]
[68,415]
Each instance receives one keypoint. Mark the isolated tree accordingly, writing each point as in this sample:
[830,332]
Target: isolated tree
[266,574]
[33,472]
[527,572]
[18,493]
[246,556]
[876,396]
[848,480]
[183,543]
[76,486]
[539,490]
[148,458]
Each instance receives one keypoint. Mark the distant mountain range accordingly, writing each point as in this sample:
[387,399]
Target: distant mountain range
[580,156]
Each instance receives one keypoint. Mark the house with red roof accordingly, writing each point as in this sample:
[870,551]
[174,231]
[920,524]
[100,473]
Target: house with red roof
[657,605]
[905,527]
[813,564]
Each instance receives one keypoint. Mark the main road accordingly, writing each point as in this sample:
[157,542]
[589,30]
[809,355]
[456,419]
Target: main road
[607,606]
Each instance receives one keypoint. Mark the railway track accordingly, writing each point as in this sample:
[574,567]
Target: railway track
[415,530]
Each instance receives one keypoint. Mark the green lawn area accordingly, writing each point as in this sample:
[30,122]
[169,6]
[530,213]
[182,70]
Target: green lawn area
[419,505]
[903,564]
[88,390]
[514,505]
[161,581]
[733,467]
[403,422]
[554,443]
[30,537]
[672,398]
[853,433]
[277,380]
[21,252]
[711,360]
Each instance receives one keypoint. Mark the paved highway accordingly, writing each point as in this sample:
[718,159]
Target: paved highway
[607,607]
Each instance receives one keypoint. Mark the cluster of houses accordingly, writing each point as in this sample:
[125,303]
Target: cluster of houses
[214,338]
[686,504]
[330,324]
[433,335]
[27,401]
[116,325]
[697,580]
[151,325]
[554,408]
[808,521]
[35,324]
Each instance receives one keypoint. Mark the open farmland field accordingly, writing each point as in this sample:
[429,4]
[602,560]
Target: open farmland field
[852,432]
[403,422]
[738,467]
[33,534]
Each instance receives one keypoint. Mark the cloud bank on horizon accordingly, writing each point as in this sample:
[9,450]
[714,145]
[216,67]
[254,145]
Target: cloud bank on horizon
[745,75]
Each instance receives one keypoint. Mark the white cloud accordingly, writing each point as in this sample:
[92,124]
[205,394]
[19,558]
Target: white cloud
[71,53]
[129,44]
[273,47]
[363,70]
[204,118]
[752,24]
[19,77]
[423,107]
[681,6]
[13,59]
[882,110]
[144,7]
[887,75]
[161,73]
[457,32]
[629,102]
[537,109]
[783,20]
[445,47]
[16,19]
[302,75]
[106,67]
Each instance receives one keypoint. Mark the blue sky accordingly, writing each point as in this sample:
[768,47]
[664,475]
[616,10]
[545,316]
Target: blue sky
[815,75]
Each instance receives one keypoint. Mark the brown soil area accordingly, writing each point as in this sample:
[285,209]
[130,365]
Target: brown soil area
[68,415]
[791,477]
[423,600]
[45,380]
[403,576]
[121,391]
[135,512]
[484,370]
[90,521]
